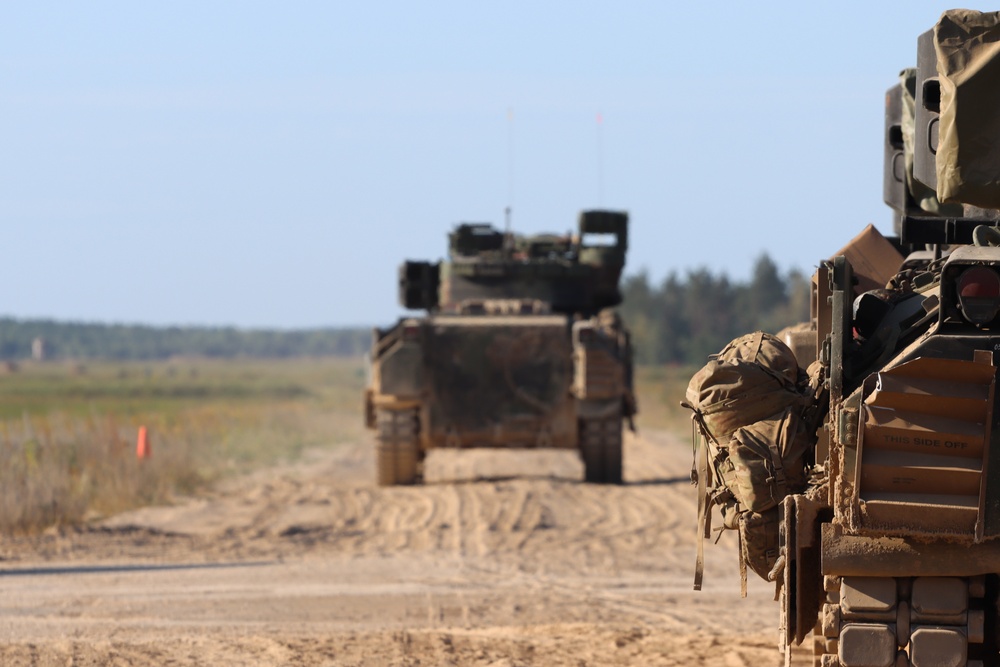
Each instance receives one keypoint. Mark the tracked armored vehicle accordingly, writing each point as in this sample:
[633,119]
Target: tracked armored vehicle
[882,533]
[519,348]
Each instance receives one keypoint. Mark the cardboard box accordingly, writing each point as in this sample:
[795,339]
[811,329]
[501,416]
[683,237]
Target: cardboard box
[874,260]
[902,431]
[910,473]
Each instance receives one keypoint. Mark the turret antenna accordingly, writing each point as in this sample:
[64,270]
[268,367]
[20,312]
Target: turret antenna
[510,177]
[600,160]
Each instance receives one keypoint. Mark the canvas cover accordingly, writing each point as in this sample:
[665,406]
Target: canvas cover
[967,45]
[925,197]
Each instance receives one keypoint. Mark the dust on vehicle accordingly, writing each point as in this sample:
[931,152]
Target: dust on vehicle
[878,519]
[519,348]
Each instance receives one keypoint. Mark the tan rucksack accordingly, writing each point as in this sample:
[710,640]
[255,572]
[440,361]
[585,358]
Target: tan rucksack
[751,444]
[754,377]
[758,543]
[768,460]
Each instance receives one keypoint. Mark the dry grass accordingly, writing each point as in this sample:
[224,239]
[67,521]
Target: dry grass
[68,434]
[660,390]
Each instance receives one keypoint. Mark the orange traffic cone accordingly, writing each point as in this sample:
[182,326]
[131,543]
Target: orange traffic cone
[142,448]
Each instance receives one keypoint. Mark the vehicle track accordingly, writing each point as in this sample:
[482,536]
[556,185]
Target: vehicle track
[503,558]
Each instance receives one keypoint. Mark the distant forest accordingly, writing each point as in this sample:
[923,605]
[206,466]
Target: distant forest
[74,340]
[683,320]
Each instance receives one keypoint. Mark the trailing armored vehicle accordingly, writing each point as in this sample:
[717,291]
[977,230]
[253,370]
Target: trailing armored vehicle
[519,348]
[870,495]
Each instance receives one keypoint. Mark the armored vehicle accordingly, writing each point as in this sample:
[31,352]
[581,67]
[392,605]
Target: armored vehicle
[519,347]
[881,529]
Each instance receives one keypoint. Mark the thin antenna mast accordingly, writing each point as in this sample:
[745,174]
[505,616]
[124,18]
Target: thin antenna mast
[600,159]
[510,177]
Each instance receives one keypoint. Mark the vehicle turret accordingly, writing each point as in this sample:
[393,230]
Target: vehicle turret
[567,274]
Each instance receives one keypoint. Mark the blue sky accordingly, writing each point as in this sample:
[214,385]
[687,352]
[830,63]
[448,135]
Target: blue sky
[270,164]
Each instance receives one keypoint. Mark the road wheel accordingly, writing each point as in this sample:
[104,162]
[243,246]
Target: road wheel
[908,621]
[601,450]
[397,450]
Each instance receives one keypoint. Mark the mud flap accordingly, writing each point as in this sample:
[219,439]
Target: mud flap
[800,579]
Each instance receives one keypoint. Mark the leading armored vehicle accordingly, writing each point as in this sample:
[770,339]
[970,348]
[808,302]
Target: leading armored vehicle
[881,527]
[520,347]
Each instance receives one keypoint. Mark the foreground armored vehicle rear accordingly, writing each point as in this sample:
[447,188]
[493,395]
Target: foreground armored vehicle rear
[881,530]
[519,348]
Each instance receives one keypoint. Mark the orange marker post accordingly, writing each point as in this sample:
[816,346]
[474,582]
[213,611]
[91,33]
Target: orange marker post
[142,448]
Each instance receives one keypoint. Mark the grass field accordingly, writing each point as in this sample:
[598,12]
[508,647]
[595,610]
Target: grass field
[68,432]
[660,390]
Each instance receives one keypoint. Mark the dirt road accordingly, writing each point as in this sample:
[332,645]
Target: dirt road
[312,564]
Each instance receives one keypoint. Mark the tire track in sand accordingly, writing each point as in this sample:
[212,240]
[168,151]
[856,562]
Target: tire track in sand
[523,561]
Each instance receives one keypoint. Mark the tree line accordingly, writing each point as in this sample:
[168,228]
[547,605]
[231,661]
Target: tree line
[75,340]
[679,321]
[684,319]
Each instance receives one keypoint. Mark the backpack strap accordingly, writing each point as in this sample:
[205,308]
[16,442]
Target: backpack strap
[702,473]
[743,564]
[780,480]
[756,344]
[709,491]
[698,426]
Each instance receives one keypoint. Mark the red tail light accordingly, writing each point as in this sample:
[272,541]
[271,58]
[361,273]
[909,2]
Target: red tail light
[979,294]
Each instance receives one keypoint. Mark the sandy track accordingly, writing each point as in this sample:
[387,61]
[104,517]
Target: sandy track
[503,558]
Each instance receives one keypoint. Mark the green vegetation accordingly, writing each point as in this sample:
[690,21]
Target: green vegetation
[218,401]
[77,340]
[68,432]
[682,321]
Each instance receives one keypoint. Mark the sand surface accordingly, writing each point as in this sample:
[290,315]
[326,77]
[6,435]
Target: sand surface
[503,559]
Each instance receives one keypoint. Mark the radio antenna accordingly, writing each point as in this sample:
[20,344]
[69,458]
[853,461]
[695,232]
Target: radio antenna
[507,240]
[510,167]
[600,159]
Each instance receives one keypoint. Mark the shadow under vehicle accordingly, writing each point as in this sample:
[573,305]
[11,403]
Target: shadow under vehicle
[520,348]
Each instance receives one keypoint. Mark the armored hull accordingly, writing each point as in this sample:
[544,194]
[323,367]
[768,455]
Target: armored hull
[517,350]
